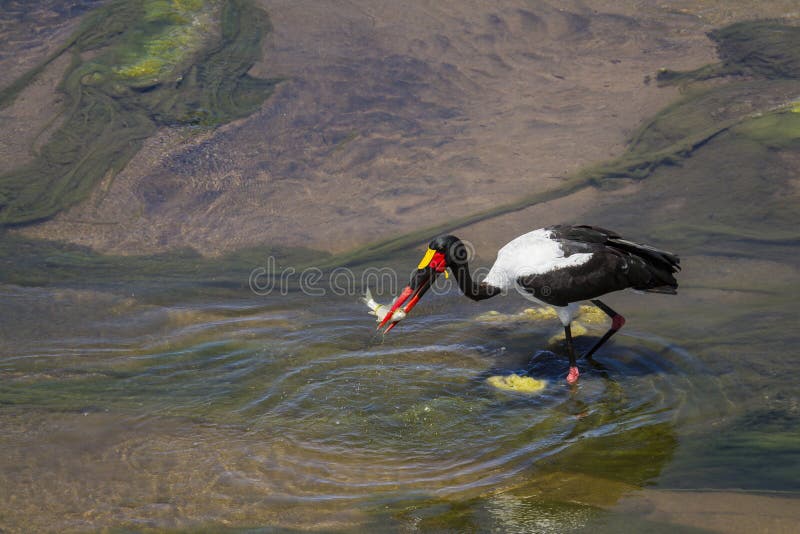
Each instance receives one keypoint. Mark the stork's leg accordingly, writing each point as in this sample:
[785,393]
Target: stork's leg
[617,321]
[573,374]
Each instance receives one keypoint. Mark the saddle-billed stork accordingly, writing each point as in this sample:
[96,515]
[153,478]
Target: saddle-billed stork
[557,265]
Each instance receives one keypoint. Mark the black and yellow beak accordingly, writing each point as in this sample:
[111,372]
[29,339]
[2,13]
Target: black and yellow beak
[428,269]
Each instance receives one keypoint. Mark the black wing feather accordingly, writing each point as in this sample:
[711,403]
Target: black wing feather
[616,264]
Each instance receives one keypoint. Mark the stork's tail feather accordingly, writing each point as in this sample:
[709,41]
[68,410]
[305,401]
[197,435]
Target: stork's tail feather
[657,257]
[660,265]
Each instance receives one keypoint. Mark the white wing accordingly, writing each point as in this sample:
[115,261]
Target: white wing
[532,253]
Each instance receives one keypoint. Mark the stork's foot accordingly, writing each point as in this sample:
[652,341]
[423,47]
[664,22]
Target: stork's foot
[572,376]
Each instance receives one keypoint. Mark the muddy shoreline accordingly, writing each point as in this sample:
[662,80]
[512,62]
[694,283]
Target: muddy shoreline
[403,121]
[399,121]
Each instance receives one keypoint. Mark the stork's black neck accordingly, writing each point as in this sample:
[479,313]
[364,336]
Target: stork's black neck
[471,289]
[456,256]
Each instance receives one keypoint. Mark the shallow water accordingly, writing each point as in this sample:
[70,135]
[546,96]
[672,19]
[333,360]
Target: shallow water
[290,411]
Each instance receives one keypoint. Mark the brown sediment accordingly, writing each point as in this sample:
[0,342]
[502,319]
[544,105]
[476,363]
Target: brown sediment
[722,12]
[718,511]
[32,117]
[31,32]
[412,116]
[120,483]
[404,121]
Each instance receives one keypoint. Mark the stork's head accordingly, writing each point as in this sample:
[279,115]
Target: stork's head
[443,252]
[451,248]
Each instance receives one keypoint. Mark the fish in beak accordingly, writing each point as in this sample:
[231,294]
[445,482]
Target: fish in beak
[432,264]
[380,310]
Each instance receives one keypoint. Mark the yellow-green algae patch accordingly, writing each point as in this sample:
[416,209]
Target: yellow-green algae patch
[776,129]
[182,29]
[517,383]
[136,65]
[586,314]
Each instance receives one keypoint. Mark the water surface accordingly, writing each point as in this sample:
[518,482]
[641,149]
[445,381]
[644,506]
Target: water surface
[288,410]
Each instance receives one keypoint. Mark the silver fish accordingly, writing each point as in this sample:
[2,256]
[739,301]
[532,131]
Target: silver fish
[380,310]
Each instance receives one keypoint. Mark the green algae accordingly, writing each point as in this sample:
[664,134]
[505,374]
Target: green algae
[765,49]
[34,262]
[569,489]
[136,66]
[179,31]
[773,433]
[776,130]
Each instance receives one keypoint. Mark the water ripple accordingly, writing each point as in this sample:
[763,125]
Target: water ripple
[319,409]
